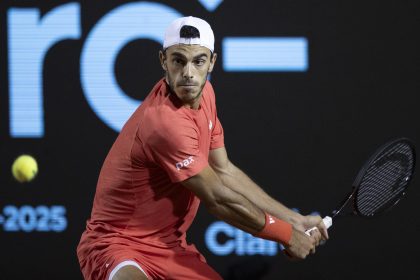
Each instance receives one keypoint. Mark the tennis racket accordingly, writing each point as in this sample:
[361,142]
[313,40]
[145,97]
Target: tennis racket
[380,184]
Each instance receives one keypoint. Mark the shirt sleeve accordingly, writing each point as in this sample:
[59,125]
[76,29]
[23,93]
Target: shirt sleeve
[175,148]
[217,136]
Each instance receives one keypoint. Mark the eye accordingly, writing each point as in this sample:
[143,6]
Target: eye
[200,62]
[178,61]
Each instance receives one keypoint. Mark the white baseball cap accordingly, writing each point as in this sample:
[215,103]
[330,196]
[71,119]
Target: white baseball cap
[204,38]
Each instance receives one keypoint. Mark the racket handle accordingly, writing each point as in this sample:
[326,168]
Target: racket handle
[327,222]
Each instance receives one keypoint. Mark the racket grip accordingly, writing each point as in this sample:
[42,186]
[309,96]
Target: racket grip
[327,222]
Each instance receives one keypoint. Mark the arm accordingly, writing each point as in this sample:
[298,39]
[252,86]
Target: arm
[235,179]
[225,203]
[236,209]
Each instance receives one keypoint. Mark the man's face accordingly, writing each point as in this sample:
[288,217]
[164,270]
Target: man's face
[186,68]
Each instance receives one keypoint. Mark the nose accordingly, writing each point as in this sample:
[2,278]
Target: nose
[188,74]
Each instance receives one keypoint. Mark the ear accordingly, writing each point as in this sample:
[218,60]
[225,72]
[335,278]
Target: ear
[162,58]
[212,62]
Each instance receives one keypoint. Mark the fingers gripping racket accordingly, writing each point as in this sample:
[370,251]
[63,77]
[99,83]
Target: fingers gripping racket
[381,182]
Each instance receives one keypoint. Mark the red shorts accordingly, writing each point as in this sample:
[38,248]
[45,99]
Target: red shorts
[157,262]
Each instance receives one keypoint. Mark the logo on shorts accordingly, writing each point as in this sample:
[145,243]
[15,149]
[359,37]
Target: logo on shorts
[210,125]
[184,163]
[271,220]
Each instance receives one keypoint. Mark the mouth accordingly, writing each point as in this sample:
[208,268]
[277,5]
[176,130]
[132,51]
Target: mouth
[188,86]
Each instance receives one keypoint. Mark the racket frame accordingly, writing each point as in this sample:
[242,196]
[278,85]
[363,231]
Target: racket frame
[356,183]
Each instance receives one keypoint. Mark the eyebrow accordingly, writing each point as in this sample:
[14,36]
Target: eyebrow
[195,57]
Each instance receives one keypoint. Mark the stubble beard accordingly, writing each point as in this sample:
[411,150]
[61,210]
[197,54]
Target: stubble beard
[171,83]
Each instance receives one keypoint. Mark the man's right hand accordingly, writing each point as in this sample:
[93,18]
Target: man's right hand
[301,245]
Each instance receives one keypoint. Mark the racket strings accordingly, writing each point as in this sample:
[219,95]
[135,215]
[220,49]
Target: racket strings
[373,198]
[385,179]
[377,191]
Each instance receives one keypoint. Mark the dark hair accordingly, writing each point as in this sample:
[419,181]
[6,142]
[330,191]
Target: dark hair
[188,31]
[211,53]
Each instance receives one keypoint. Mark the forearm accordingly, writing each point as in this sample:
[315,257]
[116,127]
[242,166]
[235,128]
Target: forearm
[238,181]
[237,210]
[225,203]
[243,214]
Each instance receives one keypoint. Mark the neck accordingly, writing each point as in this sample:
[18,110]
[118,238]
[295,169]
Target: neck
[195,104]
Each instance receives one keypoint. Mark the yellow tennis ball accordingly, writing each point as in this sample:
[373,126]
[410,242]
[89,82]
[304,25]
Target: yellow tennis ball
[24,168]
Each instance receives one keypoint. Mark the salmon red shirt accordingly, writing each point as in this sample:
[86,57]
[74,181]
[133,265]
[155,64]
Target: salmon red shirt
[139,199]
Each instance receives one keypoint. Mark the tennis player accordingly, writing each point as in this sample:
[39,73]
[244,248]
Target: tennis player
[169,156]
